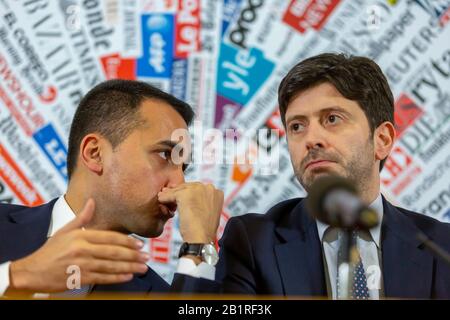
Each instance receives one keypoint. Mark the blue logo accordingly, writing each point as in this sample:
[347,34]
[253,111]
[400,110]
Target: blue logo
[178,81]
[241,72]
[51,144]
[230,10]
[157,46]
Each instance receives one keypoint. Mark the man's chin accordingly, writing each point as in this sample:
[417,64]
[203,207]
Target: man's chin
[323,173]
[155,229]
[311,177]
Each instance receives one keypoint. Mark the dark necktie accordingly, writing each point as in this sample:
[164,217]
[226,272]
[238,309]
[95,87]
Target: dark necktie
[359,290]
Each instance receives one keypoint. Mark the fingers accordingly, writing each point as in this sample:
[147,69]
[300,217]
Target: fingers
[83,218]
[169,194]
[108,272]
[109,252]
[186,185]
[111,238]
[101,278]
[219,196]
[115,267]
[186,193]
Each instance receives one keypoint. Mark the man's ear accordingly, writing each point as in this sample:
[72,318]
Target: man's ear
[384,137]
[91,153]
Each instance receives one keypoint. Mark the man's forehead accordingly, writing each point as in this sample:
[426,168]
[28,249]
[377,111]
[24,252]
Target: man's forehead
[323,105]
[160,126]
[161,115]
[164,136]
[321,98]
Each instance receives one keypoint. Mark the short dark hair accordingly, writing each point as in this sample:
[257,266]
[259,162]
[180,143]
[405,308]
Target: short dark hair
[356,78]
[111,109]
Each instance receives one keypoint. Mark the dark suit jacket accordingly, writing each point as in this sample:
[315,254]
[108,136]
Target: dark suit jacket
[23,230]
[280,253]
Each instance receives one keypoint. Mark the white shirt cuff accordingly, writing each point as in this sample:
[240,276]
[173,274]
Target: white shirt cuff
[188,267]
[4,277]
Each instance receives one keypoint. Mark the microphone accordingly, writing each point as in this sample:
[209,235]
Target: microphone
[434,248]
[334,200]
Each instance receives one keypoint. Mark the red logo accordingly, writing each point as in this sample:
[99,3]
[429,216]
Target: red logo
[117,68]
[17,181]
[274,122]
[187,28]
[399,171]
[406,112]
[396,164]
[49,95]
[303,14]
[24,110]
[160,247]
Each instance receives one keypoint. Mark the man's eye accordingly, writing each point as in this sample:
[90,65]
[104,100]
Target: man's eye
[333,119]
[296,127]
[165,154]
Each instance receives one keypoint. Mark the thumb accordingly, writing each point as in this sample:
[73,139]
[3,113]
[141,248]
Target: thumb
[83,218]
[167,195]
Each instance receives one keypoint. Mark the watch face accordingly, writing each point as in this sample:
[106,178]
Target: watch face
[209,254]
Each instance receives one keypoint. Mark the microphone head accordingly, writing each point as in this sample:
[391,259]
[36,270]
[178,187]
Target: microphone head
[321,187]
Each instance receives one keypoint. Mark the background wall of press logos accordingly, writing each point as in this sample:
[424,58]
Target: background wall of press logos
[226,58]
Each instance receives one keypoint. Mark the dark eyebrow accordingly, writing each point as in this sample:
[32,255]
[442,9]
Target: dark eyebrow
[321,111]
[335,108]
[295,117]
[167,143]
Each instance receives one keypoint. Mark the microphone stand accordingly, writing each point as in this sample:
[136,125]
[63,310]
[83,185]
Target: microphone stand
[434,248]
[348,263]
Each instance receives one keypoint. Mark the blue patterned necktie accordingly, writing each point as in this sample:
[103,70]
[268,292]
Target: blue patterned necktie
[73,293]
[359,290]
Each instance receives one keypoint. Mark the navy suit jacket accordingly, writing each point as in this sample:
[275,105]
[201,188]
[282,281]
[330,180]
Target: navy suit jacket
[24,230]
[280,253]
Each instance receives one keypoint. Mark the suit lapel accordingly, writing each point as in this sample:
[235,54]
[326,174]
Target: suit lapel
[25,231]
[299,255]
[407,268]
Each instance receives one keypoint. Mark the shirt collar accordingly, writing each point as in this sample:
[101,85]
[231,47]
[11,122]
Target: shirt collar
[61,215]
[375,232]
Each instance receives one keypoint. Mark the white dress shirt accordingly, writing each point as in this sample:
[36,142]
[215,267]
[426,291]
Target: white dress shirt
[369,248]
[63,214]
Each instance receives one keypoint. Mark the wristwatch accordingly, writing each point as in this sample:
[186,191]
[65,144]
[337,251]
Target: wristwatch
[206,251]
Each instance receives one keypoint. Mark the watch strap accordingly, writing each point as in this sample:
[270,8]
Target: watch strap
[194,249]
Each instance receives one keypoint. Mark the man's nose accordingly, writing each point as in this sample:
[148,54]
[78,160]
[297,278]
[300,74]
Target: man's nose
[315,136]
[176,177]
